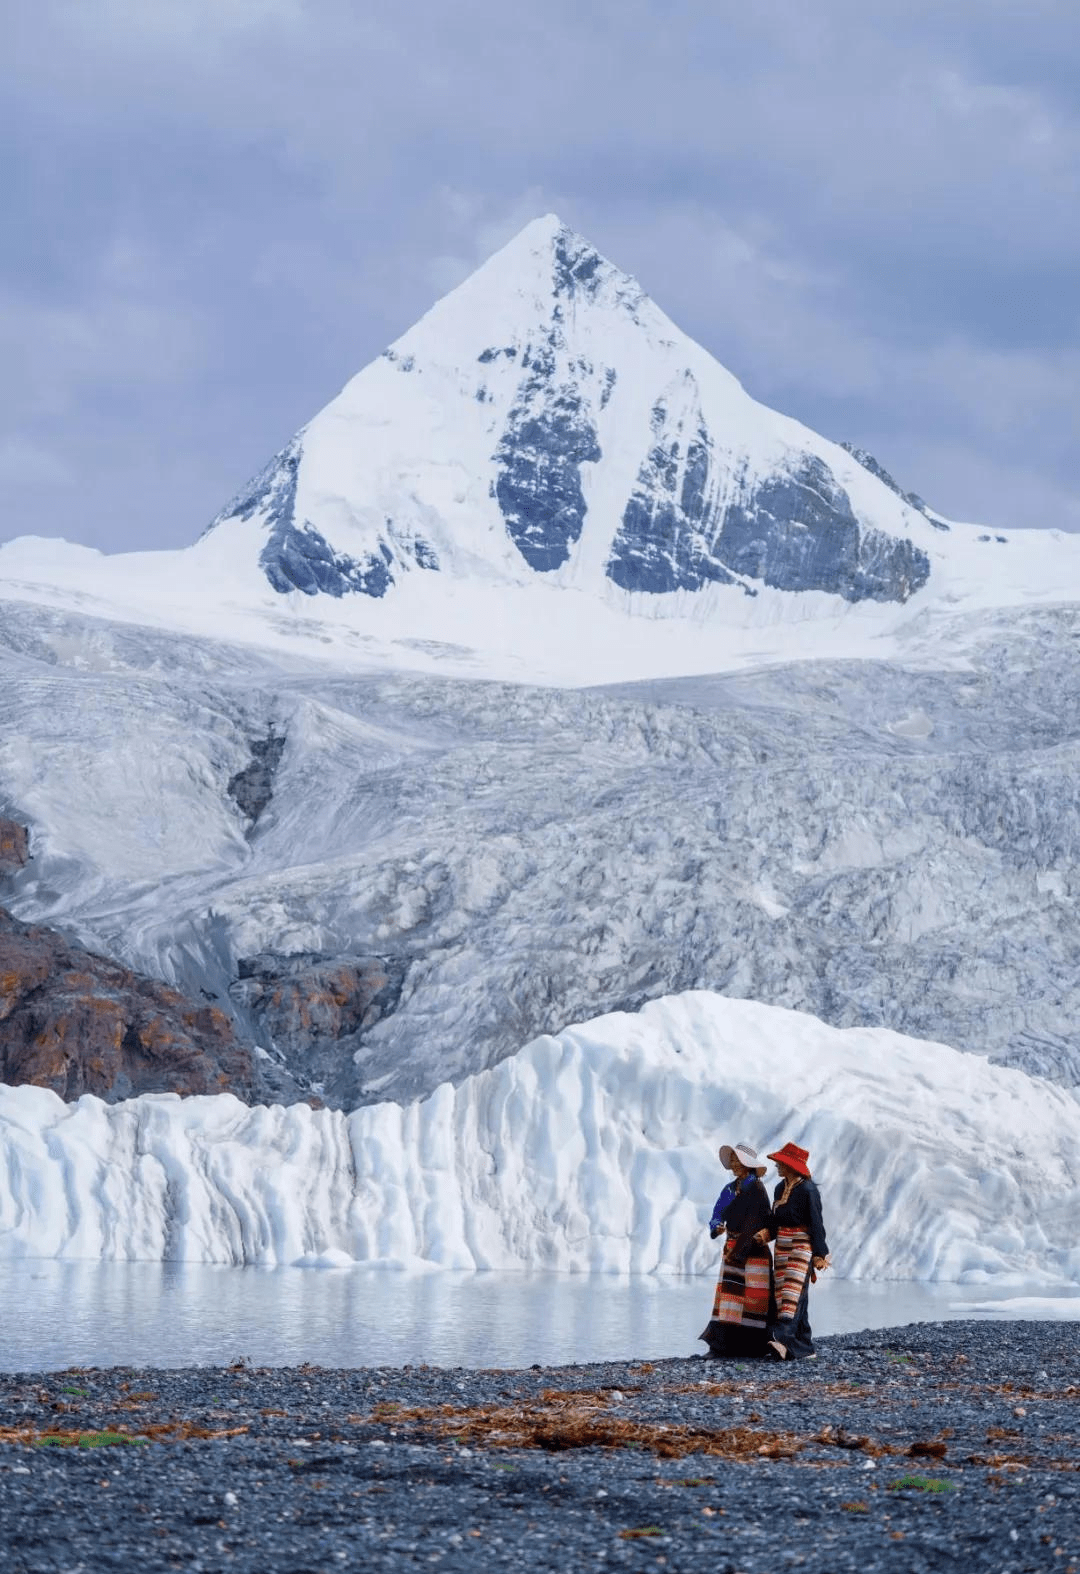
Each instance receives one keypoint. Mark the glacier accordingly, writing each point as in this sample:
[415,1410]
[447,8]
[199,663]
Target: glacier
[879,843]
[590,1150]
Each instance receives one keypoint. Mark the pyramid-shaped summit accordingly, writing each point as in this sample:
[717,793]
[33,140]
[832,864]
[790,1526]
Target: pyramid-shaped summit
[545,419]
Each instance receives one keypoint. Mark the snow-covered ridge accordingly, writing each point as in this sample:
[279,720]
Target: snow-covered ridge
[545,479]
[546,418]
[594,1150]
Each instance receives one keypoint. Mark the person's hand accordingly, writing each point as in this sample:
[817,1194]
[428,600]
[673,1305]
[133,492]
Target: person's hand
[763,1237]
[820,1264]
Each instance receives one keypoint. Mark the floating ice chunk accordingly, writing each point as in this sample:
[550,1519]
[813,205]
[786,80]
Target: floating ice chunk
[1065,1308]
[332,1258]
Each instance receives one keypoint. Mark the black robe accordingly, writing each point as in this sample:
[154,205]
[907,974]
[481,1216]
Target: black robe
[802,1211]
[746,1214]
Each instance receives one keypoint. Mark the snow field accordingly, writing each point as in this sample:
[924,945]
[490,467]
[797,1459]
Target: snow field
[593,1150]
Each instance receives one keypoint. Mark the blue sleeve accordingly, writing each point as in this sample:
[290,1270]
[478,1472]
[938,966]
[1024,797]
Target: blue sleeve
[723,1202]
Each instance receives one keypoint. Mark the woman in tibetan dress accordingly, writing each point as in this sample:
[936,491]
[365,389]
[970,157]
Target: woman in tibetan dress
[742,1304]
[802,1252]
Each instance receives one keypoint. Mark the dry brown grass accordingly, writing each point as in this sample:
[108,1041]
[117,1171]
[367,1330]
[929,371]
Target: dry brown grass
[155,1432]
[1021,1462]
[570,1419]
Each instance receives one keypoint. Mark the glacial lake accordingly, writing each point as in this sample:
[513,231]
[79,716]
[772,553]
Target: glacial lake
[61,1314]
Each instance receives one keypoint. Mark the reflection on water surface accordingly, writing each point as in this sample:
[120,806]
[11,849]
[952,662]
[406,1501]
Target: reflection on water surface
[181,1314]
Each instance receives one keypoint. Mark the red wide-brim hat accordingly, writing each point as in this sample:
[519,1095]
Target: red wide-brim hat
[795,1158]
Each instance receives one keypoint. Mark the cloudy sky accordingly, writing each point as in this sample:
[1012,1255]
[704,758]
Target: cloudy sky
[215,211]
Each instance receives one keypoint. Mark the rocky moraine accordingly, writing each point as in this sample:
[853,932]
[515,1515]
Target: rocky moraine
[930,1447]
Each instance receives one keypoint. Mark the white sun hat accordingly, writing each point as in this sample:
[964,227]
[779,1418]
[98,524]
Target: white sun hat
[745,1155]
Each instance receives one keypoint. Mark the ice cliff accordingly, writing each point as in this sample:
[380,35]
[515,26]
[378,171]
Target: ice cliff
[590,1150]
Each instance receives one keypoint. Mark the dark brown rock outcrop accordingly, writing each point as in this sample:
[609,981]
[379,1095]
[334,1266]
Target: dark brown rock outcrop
[302,1008]
[14,846]
[80,1023]
[312,1011]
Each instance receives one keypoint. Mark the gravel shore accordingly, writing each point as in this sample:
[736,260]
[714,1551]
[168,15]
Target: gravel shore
[947,1446]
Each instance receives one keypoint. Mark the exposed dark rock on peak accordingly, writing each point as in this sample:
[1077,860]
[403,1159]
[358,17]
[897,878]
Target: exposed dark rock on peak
[913,499]
[578,267]
[548,437]
[579,272]
[78,1023]
[272,492]
[408,543]
[297,557]
[664,541]
[685,526]
[797,531]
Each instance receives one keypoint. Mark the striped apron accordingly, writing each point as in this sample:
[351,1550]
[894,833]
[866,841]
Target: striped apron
[793,1258]
[742,1290]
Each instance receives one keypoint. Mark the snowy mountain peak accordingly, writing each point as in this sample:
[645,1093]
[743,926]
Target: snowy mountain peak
[544,266]
[546,418]
[545,478]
